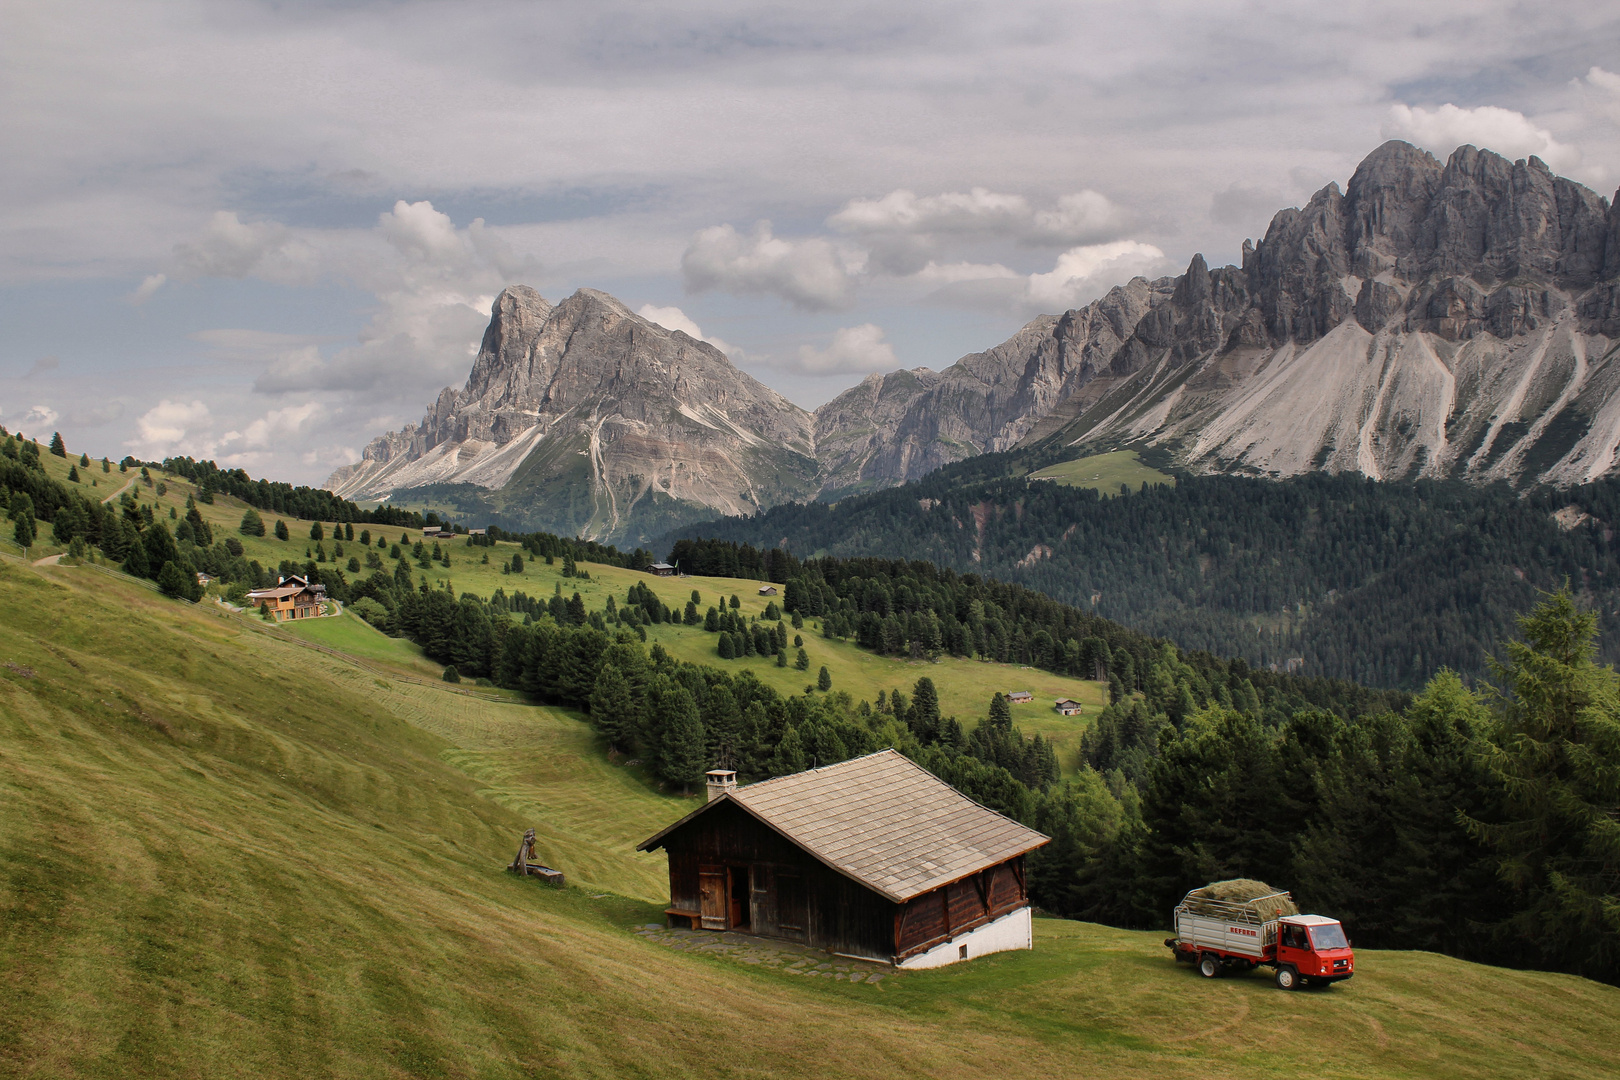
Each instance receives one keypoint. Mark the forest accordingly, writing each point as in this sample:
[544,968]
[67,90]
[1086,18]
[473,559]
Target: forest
[1381,583]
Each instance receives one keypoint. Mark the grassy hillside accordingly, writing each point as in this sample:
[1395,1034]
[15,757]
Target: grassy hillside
[222,854]
[965,686]
[1104,472]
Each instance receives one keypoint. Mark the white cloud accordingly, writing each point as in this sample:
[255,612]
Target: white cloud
[1077,218]
[853,349]
[1509,133]
[673,318]
[1081,275]
[172,427]
[1085,273]
[1604,80]
[38,416]
[276,427]
[811,274]
[149,285]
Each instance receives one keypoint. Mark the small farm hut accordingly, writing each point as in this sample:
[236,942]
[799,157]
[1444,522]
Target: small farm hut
[875,858]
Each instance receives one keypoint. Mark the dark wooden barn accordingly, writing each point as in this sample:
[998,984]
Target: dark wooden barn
[875,858]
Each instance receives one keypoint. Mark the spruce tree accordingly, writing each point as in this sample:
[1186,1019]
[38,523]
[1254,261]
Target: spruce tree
[613,710]
[173,581]
[1555,751]
[824,679]
[680,751]
[923,716]
[282,532]
[1001,711]
[316,532]
[84,461]
[802,660]
[58,447]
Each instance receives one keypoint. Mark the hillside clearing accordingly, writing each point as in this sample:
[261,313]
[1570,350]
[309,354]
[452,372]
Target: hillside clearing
[1104,472]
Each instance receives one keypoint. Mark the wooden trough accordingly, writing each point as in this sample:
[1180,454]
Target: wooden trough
[526,865]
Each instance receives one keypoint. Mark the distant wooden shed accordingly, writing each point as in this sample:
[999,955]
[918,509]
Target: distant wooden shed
[874,858]
[1019,697]
[661,569]
[1068,707]
[767,590]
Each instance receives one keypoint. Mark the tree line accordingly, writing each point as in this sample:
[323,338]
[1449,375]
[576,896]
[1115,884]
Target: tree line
[1381,583]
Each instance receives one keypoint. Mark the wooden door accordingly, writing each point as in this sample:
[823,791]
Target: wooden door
[712,897]
[790,904]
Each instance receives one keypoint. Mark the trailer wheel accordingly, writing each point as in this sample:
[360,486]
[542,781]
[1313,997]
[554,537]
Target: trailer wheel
[1209,966]
[1287,978]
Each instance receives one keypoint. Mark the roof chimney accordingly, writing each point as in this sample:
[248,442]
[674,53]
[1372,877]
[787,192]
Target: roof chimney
[720,782]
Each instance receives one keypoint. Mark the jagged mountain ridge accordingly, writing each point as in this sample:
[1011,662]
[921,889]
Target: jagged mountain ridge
[1436,320]
[587,418]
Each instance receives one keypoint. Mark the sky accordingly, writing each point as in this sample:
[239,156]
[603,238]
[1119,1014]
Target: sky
[265,233]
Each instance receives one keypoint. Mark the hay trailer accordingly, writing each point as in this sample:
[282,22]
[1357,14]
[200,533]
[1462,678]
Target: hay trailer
[1241,925]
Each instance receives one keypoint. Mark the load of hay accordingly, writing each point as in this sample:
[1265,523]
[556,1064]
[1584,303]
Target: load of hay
[1259,901]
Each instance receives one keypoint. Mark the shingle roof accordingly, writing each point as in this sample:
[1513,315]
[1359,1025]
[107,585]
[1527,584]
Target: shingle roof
[882,820]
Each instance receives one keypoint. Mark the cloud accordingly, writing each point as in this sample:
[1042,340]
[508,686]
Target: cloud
[1081,275]
[1078,218]
[811,274]
[1504,131]
[673,318]
[1605,80]
[149,285]
[172,427]
[98,415]
[853,349]
[42,365]
[38,416]
[290,425]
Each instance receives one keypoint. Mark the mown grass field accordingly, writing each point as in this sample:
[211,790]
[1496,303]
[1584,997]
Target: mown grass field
[1105,472]
[224,855]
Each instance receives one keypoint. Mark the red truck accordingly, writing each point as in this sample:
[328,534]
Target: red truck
[1241,935]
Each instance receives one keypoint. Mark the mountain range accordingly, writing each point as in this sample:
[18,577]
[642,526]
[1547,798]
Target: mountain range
[1455,319]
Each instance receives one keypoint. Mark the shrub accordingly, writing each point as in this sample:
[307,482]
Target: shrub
[234,546]
[371,611]
[451,674]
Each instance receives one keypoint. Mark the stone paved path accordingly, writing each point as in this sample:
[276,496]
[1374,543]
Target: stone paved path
[782,956]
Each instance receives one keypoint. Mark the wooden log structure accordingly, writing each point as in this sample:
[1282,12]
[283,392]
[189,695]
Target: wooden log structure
[874,858]
[526,864]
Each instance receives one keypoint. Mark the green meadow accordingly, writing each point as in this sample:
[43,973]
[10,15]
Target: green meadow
[228,855]
[1104,472]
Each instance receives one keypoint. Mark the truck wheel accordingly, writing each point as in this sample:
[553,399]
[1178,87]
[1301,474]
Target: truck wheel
[1287,978]
[1209,967]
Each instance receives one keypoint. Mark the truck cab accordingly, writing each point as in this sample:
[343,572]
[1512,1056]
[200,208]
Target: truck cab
[1312,949]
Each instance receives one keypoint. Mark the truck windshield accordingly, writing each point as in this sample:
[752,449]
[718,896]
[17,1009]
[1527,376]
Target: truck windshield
[1329,937]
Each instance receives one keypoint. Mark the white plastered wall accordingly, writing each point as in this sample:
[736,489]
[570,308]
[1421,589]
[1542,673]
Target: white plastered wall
[1013,930]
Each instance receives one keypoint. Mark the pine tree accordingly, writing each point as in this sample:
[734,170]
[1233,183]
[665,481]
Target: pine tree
[613,710]
[73,474]
[802,660]
[173,581]
[58,447]
[252,524]
[923,716]
[1001,711]
[22,513]
[316,532]
[725,648]
[84,461]
[824,679]
[1556,752]
[680,751]
[282,532]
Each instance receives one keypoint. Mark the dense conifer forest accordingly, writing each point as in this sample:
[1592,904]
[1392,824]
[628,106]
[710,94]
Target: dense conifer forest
[1379,583]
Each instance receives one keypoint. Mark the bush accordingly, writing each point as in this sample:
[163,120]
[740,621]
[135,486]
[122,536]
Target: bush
[451,674]
[371,611]
[234,546]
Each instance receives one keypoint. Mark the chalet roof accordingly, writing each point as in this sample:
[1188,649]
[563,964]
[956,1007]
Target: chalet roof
[1068,701]
[881,820]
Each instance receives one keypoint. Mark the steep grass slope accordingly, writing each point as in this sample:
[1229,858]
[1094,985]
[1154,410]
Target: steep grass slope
[222,854]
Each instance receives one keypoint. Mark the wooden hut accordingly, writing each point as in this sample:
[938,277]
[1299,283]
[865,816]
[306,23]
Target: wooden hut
[661,569]
[1020,697]
[1068,707]
[874,858]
